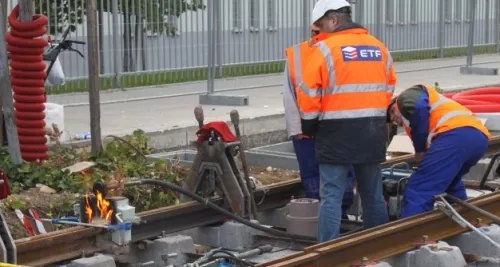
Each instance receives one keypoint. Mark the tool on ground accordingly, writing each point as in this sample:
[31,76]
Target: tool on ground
[38,222]
[235,119]
[467,205]
[449,211]
[215,170]
[25,221]
[76,221]
[73,221]
[394,181]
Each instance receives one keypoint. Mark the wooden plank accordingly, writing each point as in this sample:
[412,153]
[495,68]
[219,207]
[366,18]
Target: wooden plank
[93,60]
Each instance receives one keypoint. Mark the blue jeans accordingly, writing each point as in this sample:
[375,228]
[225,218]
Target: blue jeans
[333,183]
[309,173]
[449,157]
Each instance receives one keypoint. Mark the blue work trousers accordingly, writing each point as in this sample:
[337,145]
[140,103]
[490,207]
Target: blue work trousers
[449,157]
[333,182]
[309,173]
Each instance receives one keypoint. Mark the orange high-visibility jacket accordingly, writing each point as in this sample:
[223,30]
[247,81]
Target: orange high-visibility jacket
[343,98]
[444,114]
[296,57]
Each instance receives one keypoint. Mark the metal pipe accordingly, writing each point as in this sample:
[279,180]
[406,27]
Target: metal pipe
[116,50]
[465,222]
[76,223]
[256,251]
[235,119]
[467,205]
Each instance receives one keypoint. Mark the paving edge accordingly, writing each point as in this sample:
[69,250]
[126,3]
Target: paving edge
[258,131]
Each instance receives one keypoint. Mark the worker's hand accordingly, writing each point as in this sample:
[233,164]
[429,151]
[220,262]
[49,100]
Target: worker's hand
[418,157]
[298,137]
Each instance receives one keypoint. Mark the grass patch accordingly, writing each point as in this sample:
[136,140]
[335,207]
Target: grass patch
[130,80]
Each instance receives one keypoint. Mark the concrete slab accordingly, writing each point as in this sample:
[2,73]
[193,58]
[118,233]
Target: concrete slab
[96,261]
[493,120]
[477,172]
[473,243]
[170,121]
[437,255]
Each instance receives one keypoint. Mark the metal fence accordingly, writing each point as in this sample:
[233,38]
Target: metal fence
[155,42]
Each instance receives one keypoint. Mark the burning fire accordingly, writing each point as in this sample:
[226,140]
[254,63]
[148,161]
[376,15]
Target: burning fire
[103,206]
[88,208]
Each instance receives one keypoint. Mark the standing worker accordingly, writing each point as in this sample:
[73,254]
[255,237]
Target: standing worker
[446,136]
[346,87]
[304,145]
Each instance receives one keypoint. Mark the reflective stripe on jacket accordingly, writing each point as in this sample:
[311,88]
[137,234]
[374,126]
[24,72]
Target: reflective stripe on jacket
[296,57]
[444,115]
[343,98]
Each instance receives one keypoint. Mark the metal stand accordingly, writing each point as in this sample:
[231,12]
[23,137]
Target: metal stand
[7,245]
[469,69]
[215,171]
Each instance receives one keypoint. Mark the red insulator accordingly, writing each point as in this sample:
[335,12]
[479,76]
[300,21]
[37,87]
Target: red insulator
[26,48]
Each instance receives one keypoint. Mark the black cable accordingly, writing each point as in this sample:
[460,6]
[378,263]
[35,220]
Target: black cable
[237,260]
[211,205]
[229,253]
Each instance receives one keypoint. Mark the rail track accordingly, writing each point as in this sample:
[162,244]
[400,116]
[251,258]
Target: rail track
[73,242]
[388,240]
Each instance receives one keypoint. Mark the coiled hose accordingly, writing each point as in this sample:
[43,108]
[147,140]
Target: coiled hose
[27,75]
[481,100]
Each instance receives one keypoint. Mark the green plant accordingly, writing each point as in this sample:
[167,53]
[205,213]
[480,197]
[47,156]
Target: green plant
[121,160]
[13,203]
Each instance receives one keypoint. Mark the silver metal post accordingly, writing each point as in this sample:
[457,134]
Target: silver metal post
[468,69]
[211,47]
[472,23]
[116,43]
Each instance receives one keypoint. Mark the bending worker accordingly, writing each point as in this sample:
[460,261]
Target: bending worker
[304,145]
[343,97]
[447,137]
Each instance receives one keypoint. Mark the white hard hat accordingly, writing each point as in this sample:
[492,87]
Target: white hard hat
[322,6]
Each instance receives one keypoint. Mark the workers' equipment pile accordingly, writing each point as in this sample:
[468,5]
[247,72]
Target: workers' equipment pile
[215,170]
[394,181]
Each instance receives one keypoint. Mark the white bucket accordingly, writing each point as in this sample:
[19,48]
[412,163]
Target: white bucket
[54,114]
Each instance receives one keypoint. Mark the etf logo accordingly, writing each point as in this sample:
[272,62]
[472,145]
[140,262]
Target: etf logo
[361,53]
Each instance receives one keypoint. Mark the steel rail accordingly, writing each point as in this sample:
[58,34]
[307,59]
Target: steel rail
[388,240]
[72,242]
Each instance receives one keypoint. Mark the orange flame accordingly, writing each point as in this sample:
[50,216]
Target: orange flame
[88,209]
[103,206]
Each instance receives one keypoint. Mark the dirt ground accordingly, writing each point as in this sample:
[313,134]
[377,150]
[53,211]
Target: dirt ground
[49,204]
[44,204]
[269,175]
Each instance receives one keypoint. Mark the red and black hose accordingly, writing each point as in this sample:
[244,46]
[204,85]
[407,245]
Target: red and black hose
[26,46]
[480,100]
